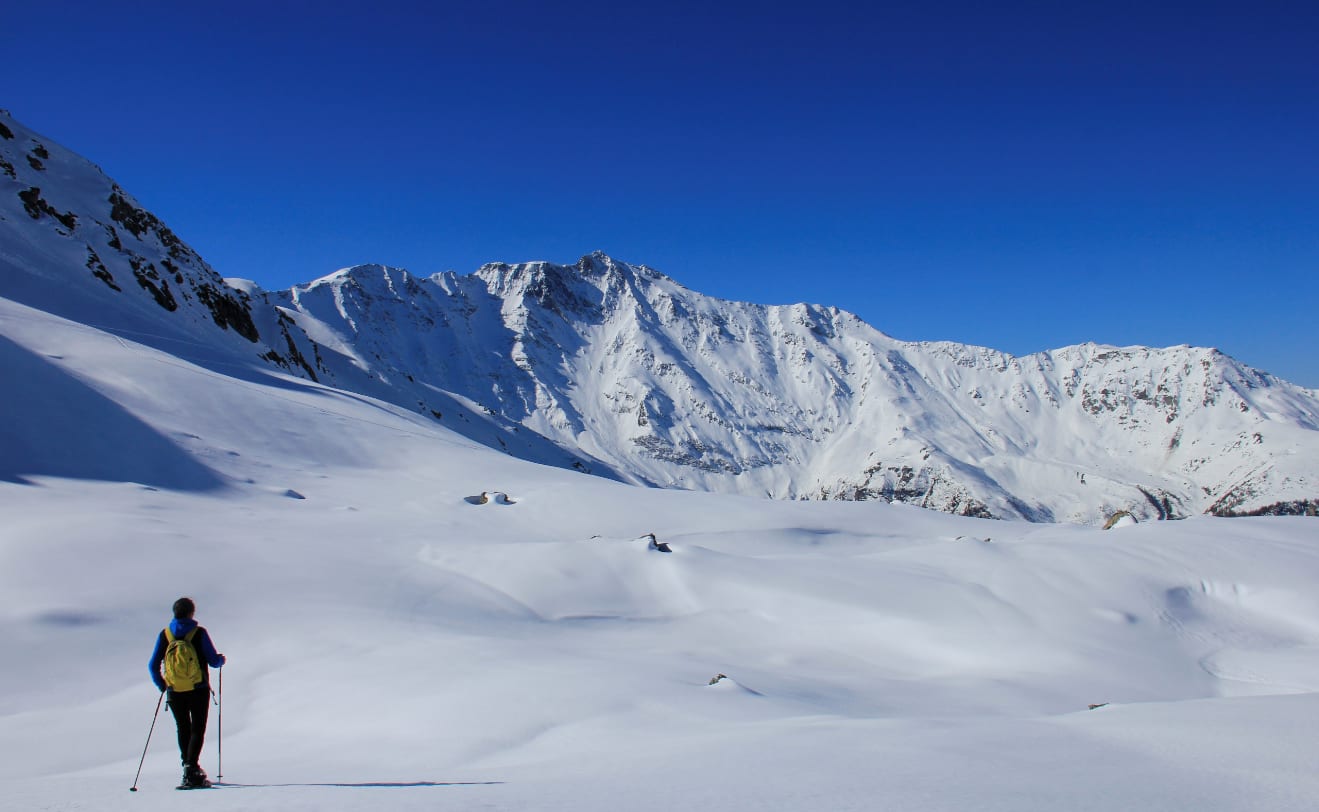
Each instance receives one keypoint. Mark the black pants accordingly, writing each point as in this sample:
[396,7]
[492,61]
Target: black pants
[190,709]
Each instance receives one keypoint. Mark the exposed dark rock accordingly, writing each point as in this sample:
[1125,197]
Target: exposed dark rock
[139,222]
[693,454]
[1162,504]
[5,132]
[99,270]
[486,497]
[33,203]
[149,278]
[229,309]
[915,486]
[35,206]
[295,355]
[1228,503]
[550,288]
[134,219]
[1298,507]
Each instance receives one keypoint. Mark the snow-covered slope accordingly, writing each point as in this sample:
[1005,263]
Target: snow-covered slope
[73,243]
[397,642]
[618,370]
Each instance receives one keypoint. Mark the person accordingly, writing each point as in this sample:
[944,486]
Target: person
[189,705]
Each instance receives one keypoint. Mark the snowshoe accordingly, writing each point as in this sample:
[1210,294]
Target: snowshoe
[194,778]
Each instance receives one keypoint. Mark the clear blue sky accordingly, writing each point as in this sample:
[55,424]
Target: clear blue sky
[1019,176]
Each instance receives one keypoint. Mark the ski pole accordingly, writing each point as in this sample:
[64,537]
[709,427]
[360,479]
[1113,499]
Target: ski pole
[219,733]
[148,744]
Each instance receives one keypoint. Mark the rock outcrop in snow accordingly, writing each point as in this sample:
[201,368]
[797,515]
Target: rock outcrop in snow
[618,370]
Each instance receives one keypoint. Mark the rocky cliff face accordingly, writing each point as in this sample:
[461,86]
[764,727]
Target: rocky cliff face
[619,370]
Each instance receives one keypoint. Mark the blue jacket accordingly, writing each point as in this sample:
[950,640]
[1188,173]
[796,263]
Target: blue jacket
[200,641]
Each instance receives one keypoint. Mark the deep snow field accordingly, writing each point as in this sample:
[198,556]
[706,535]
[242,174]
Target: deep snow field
[393,645]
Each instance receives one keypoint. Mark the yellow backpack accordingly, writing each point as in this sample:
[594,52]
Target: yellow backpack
[183,671]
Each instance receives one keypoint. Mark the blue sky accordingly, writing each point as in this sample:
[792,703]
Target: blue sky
[1019,176]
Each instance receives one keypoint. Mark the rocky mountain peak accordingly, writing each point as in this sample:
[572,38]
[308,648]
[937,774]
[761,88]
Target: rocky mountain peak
[617,369]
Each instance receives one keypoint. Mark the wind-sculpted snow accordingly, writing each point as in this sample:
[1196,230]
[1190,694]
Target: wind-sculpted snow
[618,370]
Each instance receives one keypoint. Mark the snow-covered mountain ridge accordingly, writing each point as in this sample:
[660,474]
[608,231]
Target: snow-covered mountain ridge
[618,369]
[672,388]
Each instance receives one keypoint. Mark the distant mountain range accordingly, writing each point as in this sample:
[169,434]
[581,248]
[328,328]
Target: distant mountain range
[617,370]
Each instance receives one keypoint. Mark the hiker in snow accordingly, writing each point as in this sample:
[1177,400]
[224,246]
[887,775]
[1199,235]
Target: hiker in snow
[178,664]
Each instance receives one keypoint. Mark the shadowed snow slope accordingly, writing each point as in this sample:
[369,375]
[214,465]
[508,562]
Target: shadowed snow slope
[393,645]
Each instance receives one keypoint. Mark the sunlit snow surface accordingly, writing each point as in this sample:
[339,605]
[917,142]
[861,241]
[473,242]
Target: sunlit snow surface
[395,643]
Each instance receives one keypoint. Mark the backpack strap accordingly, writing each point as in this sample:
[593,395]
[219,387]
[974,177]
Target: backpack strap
[170,638]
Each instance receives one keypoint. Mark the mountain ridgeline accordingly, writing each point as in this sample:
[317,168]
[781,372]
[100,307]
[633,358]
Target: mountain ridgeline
[617,370]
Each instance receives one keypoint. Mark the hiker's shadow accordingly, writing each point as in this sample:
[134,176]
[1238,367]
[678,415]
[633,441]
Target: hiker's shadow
[366,784]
